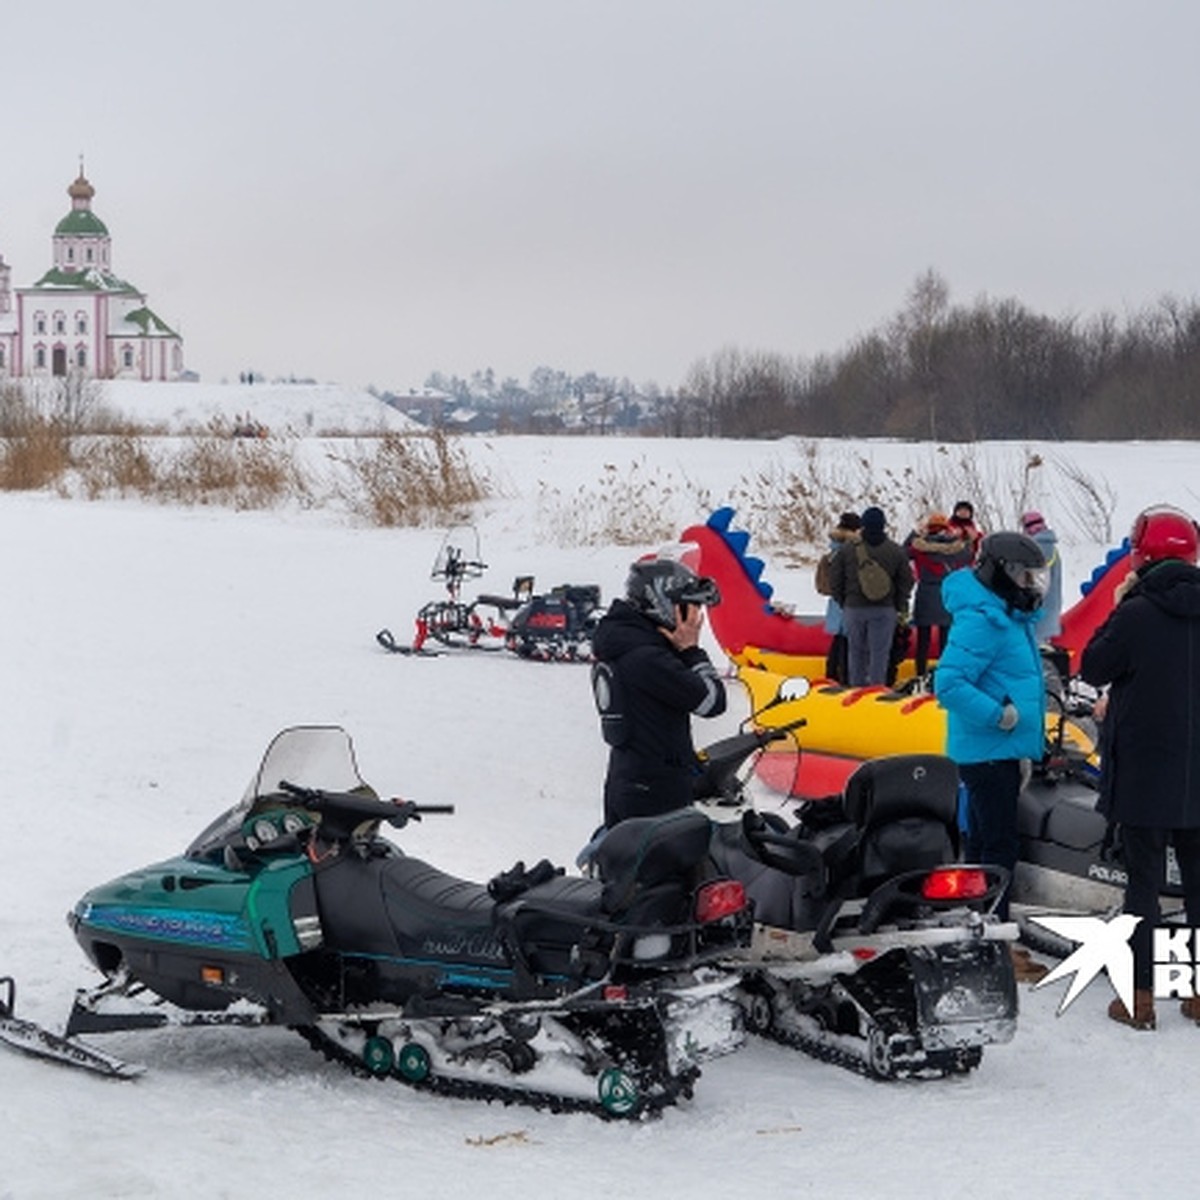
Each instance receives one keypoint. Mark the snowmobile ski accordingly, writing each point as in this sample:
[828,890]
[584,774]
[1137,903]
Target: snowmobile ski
[387,640]
[34,1039]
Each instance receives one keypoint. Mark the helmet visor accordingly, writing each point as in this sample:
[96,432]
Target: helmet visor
[1027,579]
[700,590]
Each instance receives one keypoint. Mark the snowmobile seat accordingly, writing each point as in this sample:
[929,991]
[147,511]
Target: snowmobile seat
[650,867]
[783,877]
[1033,808]
[399,905]
[646,852]
[547,923]
[1075,825]
[906,807]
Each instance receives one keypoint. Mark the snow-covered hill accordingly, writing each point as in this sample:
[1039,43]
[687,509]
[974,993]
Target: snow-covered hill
[302,409]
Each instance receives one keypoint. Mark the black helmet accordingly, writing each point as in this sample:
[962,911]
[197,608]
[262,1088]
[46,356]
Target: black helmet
[655,586]
[1013,566]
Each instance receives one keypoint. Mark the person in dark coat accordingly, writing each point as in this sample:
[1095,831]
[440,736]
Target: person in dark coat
[650,676]
[962,520]
[871,620]
[935,549]
[836,664]
[1148,652]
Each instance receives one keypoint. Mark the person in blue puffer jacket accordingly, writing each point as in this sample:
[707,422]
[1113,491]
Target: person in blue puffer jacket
[989,681]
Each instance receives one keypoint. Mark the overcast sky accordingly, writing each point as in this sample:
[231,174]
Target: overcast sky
[369,190]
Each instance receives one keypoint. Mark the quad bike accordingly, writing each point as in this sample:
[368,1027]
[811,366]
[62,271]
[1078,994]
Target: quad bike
[874,947]
[292,909]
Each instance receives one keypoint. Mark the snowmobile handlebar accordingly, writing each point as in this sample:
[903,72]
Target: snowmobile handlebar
[777,733]
[396,813]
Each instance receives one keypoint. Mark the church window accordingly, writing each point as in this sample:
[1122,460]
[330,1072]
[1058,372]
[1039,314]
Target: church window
[81,357]
[39,323]
[70,254]
[39,358]
[80,323]
[127,356]
[1,358]
[89,254]
[60,323]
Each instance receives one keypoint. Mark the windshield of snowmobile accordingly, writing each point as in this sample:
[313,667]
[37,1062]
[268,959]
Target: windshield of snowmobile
[314,756]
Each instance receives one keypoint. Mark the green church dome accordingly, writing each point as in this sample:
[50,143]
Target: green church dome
[81,221]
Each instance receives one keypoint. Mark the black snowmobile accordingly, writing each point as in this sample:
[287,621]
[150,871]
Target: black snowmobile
[557,626]
[1070,855]
[874,947]
[291,909]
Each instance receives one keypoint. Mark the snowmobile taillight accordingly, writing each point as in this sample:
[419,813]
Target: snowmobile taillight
[955,883]
[864,953]
[214,975]
[719,899]
[616,992]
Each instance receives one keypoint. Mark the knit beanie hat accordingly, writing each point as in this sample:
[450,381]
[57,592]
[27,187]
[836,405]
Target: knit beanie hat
[873,520]
[1033,521]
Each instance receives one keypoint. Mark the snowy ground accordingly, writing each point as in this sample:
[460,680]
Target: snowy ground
[149,654]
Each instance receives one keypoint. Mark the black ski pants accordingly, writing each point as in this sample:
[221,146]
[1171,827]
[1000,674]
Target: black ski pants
[1145,853]
[991,837]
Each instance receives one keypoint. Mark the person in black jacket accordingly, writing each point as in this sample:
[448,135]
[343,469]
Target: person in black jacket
[871,620]
[650,676]
[1149,652]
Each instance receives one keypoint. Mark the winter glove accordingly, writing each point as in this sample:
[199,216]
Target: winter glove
[1008,717]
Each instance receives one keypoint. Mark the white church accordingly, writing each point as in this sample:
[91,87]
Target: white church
[80,318]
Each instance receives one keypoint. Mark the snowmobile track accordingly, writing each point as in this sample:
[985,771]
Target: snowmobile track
[465,1089]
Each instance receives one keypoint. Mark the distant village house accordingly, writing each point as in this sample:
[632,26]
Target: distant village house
[80,318]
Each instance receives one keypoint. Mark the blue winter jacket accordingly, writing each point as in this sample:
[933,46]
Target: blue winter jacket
[991,655]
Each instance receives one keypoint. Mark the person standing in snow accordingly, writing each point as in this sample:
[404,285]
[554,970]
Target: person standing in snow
[871,615]
[989,681]
[650,676]
[836,664]
[1148,651]
[962,520]
[1050,622]
[935,549]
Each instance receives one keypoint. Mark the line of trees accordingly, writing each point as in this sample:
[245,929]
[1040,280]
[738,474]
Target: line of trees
[992,369]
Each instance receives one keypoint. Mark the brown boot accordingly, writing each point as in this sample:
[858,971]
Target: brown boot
[1143,1010]
[1025,969]
[1191,1008]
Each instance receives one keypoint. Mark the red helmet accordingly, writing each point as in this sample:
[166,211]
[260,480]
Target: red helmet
[1163,532]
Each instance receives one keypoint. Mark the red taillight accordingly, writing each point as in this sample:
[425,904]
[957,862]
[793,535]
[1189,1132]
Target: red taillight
[721,898]
[616,992]
[955,883]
